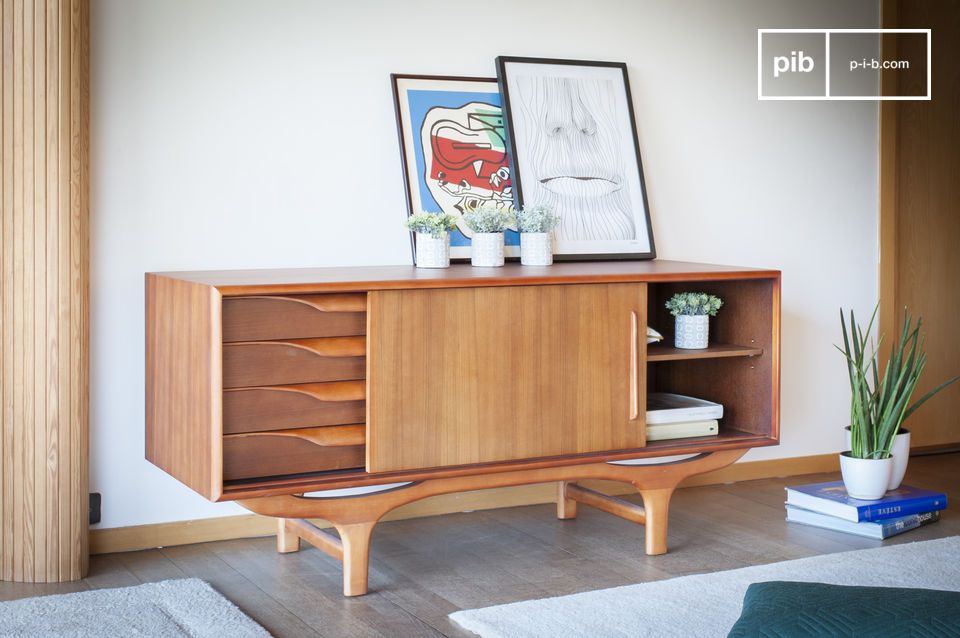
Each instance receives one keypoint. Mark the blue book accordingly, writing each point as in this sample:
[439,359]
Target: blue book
[870,529]
[831,498]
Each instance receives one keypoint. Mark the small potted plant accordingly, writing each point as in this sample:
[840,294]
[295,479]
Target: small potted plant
[536,224]
[433,238]
[693,311]
[487,224]
[879,405]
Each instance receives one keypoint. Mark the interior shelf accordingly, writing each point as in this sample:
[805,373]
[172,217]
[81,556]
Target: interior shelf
[663,352]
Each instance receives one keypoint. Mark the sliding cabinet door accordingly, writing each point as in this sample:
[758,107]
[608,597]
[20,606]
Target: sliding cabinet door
[480,375]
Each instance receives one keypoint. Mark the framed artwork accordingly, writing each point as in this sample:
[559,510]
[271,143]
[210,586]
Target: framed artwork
[454,152]
[572,142]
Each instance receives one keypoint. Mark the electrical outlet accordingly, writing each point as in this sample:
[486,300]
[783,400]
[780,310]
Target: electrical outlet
[94,508]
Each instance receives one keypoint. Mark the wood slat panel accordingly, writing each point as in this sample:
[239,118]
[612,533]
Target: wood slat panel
[492,374]
[294,317]
[293,406]
[293,451]
[44,56]
[260,363]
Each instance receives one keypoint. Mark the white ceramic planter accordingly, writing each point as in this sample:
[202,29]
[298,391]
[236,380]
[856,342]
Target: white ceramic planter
[900,452]
[865,479]
[486,250]
[536,249]
[691,332]
[433,252]
[901,456]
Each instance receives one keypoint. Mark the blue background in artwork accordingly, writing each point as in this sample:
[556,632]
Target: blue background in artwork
[419,103]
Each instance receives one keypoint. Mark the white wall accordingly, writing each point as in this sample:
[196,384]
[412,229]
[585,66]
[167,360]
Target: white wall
[249,134]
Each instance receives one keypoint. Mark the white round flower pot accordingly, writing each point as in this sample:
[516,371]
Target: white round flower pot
[865,479]
[901,456]
[486,250]
[691,332]
[536,249]
[433,252]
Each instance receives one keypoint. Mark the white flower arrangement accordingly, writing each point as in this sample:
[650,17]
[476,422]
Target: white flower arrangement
[537,219]
[489,219]
[694,304]
[433,224]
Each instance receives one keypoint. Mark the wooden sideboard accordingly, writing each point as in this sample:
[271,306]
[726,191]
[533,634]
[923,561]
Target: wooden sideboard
[270,387]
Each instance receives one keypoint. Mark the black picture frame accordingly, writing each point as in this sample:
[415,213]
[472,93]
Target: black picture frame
[502,63]
[408,171]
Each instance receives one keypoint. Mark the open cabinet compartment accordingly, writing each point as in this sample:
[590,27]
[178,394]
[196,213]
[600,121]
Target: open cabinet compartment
[737,368]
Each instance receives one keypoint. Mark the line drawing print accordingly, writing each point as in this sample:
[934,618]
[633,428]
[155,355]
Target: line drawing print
[567,131]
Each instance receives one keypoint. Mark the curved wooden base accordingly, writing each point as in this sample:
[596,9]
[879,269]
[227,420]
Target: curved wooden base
[354,517]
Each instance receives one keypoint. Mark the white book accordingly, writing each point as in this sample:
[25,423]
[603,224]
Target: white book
[664,407]
[685,430]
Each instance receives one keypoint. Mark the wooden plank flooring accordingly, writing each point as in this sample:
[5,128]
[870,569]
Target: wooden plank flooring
[423,569]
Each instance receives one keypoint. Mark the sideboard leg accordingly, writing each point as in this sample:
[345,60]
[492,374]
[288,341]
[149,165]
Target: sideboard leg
[287,541]
[566,507]
[356,556]
[656,505]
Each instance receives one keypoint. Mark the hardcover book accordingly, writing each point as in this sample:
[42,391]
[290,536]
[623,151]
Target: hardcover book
[870,529]
[664,407]
[832,499]
[684,430]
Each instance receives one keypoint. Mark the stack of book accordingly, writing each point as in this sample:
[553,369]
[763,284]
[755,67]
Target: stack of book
[828,506]
[675,416]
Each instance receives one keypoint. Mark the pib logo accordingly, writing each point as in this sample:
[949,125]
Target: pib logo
[796,62]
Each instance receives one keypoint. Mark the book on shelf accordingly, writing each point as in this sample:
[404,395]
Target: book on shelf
[832,499]
[682,430]
[870,529]
[664,407]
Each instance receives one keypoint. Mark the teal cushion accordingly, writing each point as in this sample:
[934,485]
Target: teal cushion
[790,610]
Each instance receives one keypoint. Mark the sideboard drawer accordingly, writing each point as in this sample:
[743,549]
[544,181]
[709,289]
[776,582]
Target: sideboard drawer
[268,363]
[263,454]
[294,317]
[285,407]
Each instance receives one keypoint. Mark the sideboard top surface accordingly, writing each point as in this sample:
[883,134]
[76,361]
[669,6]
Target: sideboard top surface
[360,278]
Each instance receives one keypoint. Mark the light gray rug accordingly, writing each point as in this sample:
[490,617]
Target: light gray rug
[170,608]
[709,604]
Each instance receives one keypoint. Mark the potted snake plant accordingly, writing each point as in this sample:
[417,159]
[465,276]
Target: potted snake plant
[879,405]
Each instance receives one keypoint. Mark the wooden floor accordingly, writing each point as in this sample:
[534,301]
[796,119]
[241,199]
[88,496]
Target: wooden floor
[423,569]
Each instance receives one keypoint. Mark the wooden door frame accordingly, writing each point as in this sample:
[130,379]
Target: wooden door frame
[892,258]
[888,182]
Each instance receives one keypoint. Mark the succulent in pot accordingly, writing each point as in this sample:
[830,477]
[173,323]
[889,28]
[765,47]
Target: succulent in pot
[692,324]
[486,244]
[536,224]
[880,404]
[432,240]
